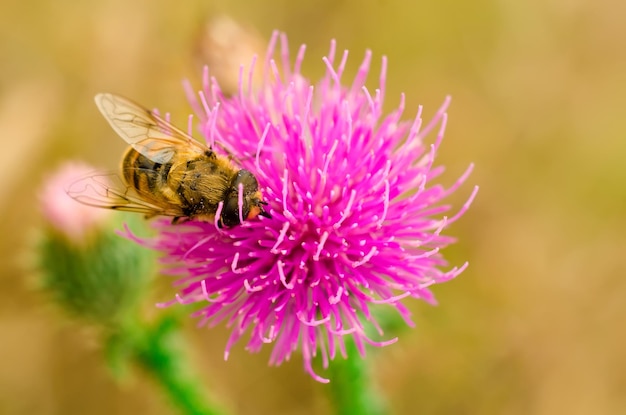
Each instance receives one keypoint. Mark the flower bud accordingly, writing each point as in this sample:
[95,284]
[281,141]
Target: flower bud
[90,270]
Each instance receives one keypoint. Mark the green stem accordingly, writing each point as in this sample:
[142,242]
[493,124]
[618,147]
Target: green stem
[159,351]
[351,389]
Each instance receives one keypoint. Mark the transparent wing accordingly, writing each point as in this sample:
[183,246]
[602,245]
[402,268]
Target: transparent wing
[146,132]
[107,190]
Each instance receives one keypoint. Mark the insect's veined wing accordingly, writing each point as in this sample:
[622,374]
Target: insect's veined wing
[107,190]
[146,132]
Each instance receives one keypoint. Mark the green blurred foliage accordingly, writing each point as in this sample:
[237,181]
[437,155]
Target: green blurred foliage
[532,327]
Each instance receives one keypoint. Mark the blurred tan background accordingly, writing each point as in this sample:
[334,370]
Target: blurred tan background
[534,326]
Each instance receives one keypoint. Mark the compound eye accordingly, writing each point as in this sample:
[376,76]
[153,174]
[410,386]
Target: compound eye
[250,184]
[230,211]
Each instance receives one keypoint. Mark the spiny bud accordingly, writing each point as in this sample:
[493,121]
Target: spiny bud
[90,270]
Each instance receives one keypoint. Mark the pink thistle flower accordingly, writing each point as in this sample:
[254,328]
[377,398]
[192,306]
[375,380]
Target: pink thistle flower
[74,220]
[357,221]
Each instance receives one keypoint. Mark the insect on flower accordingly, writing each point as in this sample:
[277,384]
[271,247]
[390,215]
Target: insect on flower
[358,219]
[168,173]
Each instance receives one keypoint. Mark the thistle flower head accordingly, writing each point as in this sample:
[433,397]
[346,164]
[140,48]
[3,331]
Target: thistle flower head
[88,270]
[356,217]
[73,220]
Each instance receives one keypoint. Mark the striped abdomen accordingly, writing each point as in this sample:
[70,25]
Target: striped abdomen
[149,179]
